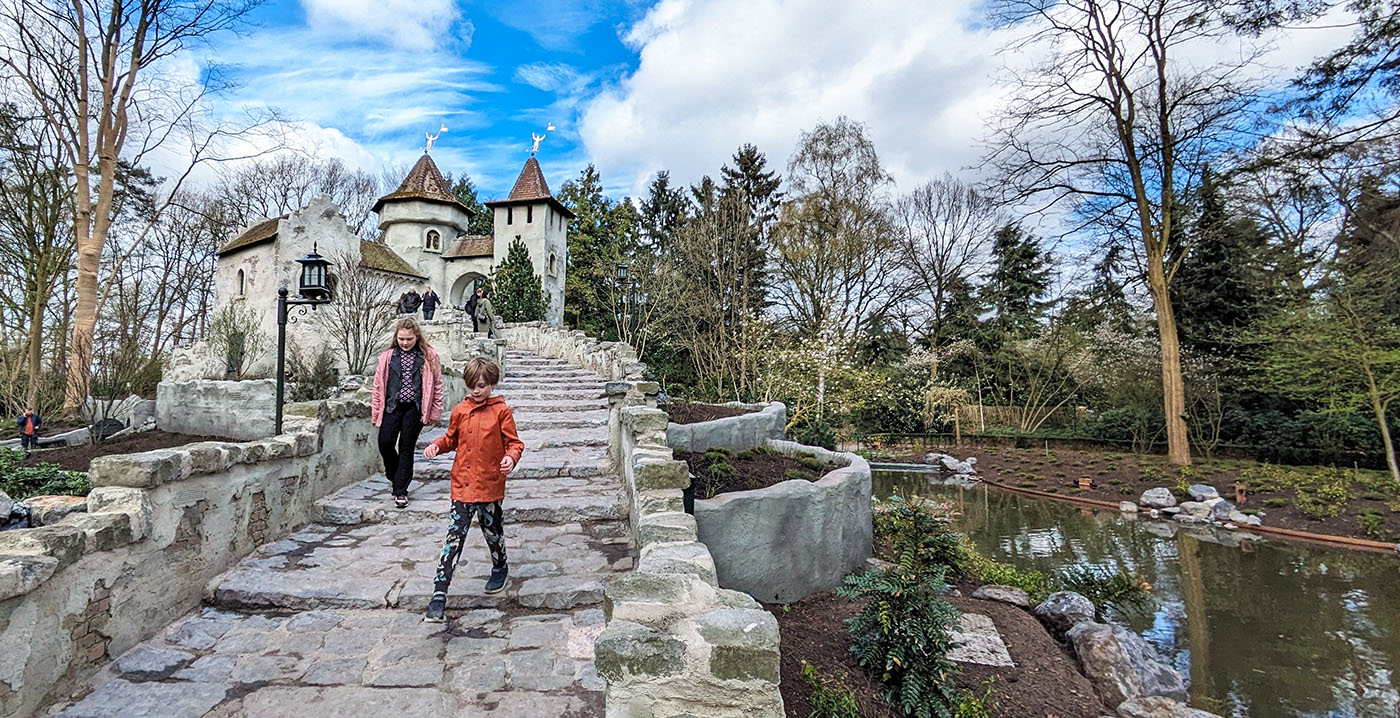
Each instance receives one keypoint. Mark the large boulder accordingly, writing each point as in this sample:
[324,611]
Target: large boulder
[1122,666]
[1064,610]
[1004,594]
[1202,492]
[1221,509]
[1159,707]
[6,505]
[1158,498]
[49,510]
[1195,509]
[951,465]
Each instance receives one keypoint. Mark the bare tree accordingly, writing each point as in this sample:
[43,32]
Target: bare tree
[945,227]
[288,181]
[361,315]
[1119,120]
[90,68]
[237,339]
[835,251]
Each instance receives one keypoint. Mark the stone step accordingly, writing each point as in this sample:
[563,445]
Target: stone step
[570,420]
[554,499]
[537,438]
[513,395]
[550,406]
[557,566]
[564,371]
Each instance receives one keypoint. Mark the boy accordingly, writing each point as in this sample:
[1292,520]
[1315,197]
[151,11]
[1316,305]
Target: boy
[28,424]
[482,432]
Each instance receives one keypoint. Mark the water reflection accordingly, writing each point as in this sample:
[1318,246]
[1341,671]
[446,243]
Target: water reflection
[1263,629]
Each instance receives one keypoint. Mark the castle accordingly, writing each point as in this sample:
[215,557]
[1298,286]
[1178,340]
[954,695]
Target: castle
[423,241]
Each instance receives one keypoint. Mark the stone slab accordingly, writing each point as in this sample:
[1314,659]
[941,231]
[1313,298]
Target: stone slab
[976,640]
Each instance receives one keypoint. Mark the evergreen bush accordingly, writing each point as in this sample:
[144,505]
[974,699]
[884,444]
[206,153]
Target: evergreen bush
[518,295]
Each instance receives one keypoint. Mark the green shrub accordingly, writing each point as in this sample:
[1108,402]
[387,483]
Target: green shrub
[722,470]
[765,451]
[836,701]
[813,463]
[974,706]
[313,376]
[1325,493]
[913,529]
[1276,502]
[1028,484]
[901,636]
[797,474]
[718,454]
[1372,522]
[1126,491]
[985,570]
[817,433]
[1120,591]
[21,482]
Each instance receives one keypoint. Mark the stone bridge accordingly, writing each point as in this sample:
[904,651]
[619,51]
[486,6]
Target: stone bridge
[313,602]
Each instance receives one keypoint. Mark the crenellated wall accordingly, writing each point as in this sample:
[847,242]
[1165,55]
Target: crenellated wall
[158,526]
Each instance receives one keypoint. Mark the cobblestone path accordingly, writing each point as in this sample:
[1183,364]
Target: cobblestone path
[328,620]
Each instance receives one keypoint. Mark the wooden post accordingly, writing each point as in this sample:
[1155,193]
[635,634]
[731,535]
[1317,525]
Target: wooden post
[1241,493]
[957,426]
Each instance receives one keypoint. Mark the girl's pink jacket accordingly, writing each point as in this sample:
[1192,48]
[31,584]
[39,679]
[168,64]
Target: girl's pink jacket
[432,387]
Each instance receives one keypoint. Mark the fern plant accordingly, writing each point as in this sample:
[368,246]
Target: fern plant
[901,635]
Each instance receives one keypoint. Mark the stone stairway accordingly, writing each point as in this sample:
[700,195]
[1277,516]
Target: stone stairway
[327,620]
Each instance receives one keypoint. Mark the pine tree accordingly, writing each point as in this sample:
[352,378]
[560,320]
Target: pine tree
[1019,281]
[665,207]
[601,234]
[518,296]
[465,192]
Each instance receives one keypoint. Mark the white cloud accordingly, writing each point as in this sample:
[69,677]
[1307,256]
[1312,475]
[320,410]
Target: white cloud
[406,23]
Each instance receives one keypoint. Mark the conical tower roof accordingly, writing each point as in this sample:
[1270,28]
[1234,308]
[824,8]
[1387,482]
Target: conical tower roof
[425,183]
[531,187]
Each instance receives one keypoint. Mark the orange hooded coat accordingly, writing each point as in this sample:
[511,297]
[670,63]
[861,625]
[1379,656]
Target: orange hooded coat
[481,434]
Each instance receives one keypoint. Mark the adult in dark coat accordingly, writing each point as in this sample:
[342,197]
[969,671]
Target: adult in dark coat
[410,301]
[430,303]
[28,424]
[470,308]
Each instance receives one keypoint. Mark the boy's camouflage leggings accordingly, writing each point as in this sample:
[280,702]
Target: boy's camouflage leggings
[488,516]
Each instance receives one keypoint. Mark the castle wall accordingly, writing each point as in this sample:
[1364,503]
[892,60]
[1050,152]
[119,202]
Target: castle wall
[544,234]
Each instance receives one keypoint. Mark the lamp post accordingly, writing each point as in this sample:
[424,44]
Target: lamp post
[629,302]
[313,289]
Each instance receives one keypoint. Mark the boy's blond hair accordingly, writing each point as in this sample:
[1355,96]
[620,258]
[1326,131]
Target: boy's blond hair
[480,369]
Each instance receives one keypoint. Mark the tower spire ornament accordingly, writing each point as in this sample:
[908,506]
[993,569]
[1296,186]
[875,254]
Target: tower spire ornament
[433,138]
[536,147]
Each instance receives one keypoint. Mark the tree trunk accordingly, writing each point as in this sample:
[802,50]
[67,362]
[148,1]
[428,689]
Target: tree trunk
[36,350]
[1379,407]
[1173,387]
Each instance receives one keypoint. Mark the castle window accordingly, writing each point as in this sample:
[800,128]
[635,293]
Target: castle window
[530,214]
[434,241]
[242,283]
[551,264]
[510,215]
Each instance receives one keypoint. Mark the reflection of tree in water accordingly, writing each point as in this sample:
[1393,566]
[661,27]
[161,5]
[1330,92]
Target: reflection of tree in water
[1275,630]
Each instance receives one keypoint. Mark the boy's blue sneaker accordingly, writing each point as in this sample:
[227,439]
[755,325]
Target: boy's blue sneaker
[497,580]
[436,609]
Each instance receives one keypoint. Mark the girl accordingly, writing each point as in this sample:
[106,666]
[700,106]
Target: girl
[407,395]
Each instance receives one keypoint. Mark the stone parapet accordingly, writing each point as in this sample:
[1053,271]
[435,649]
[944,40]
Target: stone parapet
[736,433]
[239,410]
[796,537]
[676,644]
[614,361]
[158,526]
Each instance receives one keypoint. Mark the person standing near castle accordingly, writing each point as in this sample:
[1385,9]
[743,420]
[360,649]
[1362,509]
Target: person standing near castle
[482,432]
[409,301]
[470,309]
[407,395]
[430,303]
[487,314]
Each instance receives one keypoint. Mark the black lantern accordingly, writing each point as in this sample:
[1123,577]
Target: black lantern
[314,289]
[314,281]
[621,272]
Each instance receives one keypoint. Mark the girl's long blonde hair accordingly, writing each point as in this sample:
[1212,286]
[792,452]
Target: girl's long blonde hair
[411,324]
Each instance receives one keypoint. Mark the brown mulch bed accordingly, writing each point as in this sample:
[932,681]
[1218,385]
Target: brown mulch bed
[1045,682]
[751,470]
[77,458]
[686,412]
[1123,477]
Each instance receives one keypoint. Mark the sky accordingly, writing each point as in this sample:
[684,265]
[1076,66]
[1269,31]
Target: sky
[632,86]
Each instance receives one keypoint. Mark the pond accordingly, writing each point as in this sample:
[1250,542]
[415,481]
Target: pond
[1263,629]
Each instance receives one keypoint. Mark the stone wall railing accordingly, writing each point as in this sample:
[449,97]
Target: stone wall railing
[158,526]
[615,361]
[736,433]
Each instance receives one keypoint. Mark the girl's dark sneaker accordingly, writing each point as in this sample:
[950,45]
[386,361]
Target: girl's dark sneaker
[401,502]
[497,580]
[436,609]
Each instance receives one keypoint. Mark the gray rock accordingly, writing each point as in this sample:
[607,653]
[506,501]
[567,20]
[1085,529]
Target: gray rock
[560,592]
[49,510]
[1195,509]
[1171,511]
[1159,707]
[1127,507]
[209,669]
[1064,610]
[335,672]
[6,505]
[1158,498]
[1221,509]
[1123,666]
[631,648]
[150,661]
[1202,492]
[976,640]
[1240,517]
[1004,594]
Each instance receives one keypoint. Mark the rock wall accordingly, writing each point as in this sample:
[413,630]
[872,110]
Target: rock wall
[676,644]
[615,361]
[158,526]
[240,410]
[794,538]
[736,433]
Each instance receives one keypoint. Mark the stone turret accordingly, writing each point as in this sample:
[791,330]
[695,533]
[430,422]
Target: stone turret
[532,215]
[422,219]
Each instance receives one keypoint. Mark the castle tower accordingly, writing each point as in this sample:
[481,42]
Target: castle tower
[422,220]
[532,215]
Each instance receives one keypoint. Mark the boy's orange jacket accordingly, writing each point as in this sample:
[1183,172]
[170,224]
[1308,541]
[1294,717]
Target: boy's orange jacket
[481,434]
